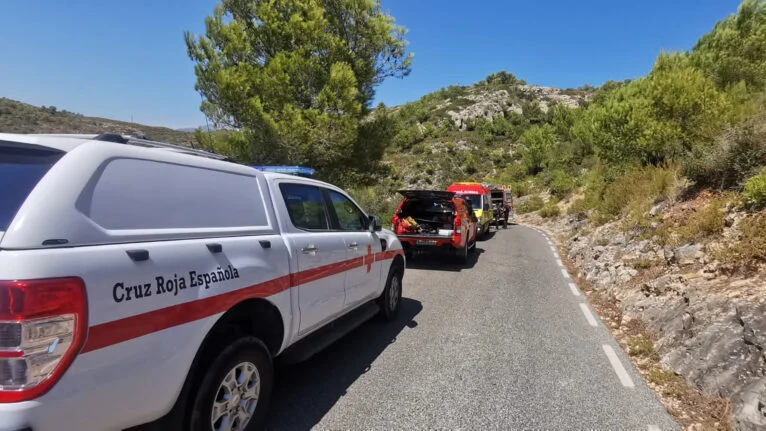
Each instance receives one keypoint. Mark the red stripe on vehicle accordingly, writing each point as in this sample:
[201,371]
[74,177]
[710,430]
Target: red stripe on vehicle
[118,331]
[314,274]
[388,254]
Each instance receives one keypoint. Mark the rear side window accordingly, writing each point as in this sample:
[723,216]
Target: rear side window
[21,168]
[305,205]
[143,194]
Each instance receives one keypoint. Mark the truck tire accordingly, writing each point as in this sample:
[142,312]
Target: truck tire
[389,301]
[235,389]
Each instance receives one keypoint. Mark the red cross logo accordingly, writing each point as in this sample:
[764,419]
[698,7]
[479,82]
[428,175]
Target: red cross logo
[369,258]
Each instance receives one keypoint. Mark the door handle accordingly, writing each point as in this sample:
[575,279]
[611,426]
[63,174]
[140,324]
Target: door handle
[138,255]
[353,245]
[309,249]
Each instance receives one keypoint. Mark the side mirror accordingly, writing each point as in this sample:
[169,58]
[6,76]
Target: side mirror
[375,224]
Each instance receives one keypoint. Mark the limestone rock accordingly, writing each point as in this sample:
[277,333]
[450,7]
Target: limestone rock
[749,406]
[687,254]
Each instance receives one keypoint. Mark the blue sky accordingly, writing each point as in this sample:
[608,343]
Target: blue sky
[118,59]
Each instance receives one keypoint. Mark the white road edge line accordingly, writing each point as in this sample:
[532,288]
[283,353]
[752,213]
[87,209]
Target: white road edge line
[564,273]
[621,372]
[653,428]
[588,315]
[575,292]
[561,264]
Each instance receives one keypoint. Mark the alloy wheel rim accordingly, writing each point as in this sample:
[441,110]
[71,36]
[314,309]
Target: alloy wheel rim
[237,396]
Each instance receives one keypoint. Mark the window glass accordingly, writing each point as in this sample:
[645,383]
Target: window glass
[349,216]
[21,168]
[143,194]
[475,200]
[305,206]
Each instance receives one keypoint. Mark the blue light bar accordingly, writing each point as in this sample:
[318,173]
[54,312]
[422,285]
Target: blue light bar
[291,170]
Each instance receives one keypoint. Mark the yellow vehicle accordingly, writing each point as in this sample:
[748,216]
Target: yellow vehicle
[480,199]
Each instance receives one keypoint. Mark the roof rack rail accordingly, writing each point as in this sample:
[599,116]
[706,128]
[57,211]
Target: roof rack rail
[141,142]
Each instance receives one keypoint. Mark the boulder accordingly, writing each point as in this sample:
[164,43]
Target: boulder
[666,284]
[687,254]
[749,406]
[659,208]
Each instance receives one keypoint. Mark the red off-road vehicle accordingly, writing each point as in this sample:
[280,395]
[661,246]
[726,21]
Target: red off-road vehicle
[435,221]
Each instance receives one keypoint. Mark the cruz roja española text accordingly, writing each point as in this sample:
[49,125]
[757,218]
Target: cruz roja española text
[166,285]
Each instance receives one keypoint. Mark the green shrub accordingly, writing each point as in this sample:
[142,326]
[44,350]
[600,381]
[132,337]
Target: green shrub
[561,184]
[550,209]
[499,158]
[429,129]
[755,191]
[513,172]
[376,200]
[579,206]
[521,188]
[420,149]
[630,193]
[641,347]
[470,165]
[409,136]
[735,156]
[532,204]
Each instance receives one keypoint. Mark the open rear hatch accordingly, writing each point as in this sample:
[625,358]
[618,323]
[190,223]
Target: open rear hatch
[426,213]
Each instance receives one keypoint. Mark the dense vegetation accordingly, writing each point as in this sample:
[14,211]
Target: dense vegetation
[698,113]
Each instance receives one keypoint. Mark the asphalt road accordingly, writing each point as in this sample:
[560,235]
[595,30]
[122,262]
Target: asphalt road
[501,343]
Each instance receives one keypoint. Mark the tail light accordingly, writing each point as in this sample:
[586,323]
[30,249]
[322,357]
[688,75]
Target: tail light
[395,224]
[458,225]
[42,328]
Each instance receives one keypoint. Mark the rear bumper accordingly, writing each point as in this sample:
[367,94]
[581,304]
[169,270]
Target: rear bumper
[425,244]
[17,416]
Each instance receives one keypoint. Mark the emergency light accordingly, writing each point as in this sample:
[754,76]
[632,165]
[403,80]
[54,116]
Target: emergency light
[291,170]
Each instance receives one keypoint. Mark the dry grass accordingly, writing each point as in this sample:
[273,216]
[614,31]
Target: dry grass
[642,264]
[750,251]
[695,221]
[551,209]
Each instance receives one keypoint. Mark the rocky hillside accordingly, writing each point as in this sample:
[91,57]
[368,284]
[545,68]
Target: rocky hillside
[18,117]
[471,132]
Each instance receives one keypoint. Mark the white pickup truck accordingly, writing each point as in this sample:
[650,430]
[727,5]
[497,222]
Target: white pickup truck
[145,283]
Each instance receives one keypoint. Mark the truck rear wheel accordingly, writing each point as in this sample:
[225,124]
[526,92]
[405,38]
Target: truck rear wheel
[234,392]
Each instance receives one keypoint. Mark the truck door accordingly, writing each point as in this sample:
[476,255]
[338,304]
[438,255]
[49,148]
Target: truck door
[363,277]
[320,254]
